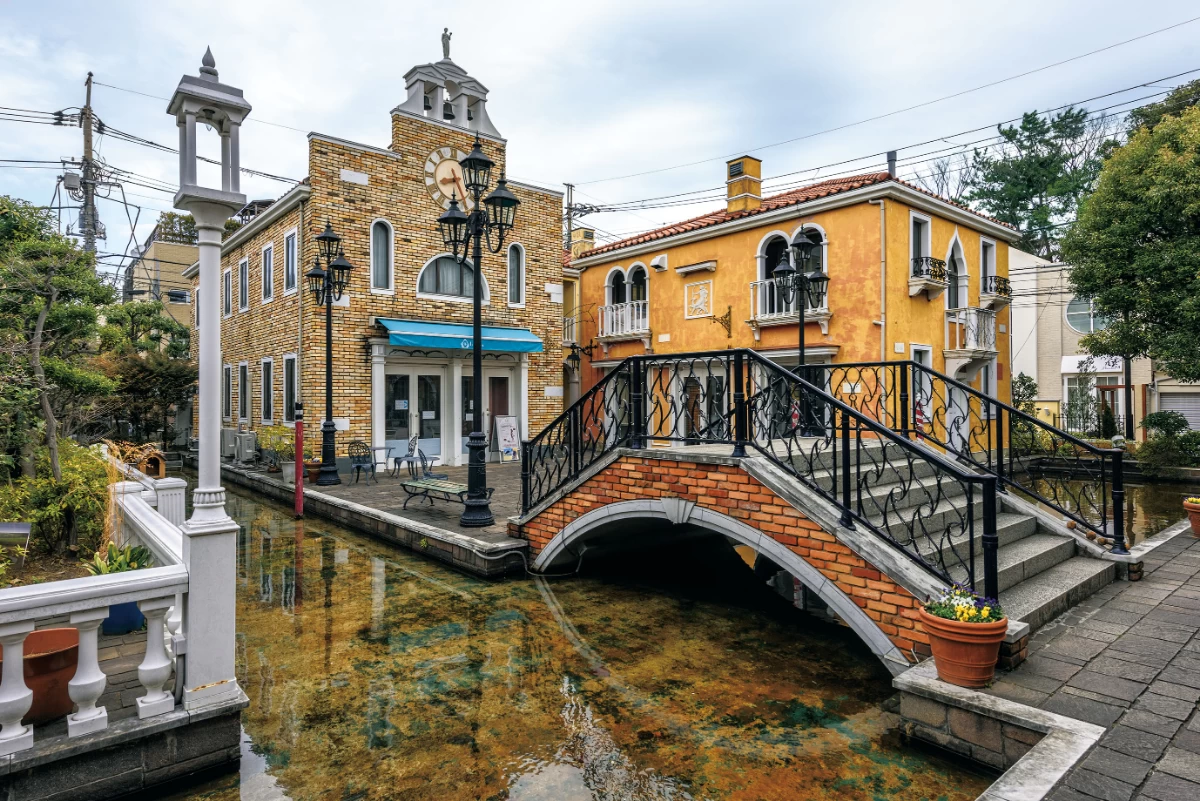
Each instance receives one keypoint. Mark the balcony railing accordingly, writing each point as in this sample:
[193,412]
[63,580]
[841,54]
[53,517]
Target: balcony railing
[767,305]
[570,327]
[997,285]
[84,603]
[625,319]
[929,268]
[970,329]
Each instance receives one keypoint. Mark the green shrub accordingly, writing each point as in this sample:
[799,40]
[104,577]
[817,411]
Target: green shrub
[73,509]
[1167,424]
[1160,457]
[1189,447]
[120,560]
[1108,423]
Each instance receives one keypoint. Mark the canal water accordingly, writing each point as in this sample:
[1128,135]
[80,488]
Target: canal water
[374,673]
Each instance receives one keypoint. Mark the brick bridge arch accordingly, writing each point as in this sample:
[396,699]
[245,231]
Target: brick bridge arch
[872,587]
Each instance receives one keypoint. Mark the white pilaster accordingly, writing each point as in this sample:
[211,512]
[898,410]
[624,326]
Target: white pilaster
[172,499]
[189,153]
[454,454]
[225,155]
[523,395]
[378,397]
[155,668]
[15,697]
[235,158]
[88,684]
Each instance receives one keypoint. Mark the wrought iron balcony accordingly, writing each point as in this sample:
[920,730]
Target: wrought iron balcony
[996,291]
[928,275]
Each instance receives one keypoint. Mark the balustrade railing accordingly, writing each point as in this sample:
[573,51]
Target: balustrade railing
[997,285]
[970,328]
[911,497]
[1065,473]
[768,305]
[84,603]
[570,324]
[624,319]
[929,268]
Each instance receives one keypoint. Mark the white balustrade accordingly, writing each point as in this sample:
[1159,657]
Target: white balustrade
[568,329]
[160,592]
[971,328]
[625,319]
[767,304]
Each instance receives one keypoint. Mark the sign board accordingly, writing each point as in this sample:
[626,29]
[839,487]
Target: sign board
[506,437]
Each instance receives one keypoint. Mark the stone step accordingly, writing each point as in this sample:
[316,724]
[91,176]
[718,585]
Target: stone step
[921,519]
[1022,559]
[1041,598]
[1011,528]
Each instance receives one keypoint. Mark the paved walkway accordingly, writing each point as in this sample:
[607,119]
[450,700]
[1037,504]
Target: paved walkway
[1127,659]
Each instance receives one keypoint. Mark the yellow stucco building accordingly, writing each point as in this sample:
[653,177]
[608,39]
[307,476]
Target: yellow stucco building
[911,276]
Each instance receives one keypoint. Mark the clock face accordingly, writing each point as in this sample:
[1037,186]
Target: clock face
[444,177]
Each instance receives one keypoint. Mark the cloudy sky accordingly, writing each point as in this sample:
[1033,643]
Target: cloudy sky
[585,92]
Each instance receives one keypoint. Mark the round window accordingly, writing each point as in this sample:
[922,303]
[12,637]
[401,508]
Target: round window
[1083,317]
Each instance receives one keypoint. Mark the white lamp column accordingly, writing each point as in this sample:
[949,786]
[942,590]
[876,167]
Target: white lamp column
[207,639]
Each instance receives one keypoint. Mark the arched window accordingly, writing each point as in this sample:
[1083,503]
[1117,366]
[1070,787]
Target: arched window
[769,298]
[774,251]
[516,275]
[616,287]
[445,278]
[816,259]
[956,275]
[1082,316]
[381,256]
[637,283]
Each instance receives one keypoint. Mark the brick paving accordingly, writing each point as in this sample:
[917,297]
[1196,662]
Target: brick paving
[1128,659]
[388,496]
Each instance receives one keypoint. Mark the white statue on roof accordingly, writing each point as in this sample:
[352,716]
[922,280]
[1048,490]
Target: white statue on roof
[446,42]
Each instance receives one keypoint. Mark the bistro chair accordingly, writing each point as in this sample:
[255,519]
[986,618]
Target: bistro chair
[362,459]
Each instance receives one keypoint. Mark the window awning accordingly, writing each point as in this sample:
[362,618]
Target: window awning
[457,336]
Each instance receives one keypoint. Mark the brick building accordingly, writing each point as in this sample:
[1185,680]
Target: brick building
[402,357]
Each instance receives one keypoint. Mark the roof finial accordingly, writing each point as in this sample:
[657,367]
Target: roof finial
[208,64]
[446,43]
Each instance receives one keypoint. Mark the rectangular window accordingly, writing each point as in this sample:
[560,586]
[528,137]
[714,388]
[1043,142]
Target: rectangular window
[987,259]
[179,296]
[196,308]
[244,285]
[381,256]
[289,388]
[243,391]
[516,276]
[919,230]
[227,392]
[268,273]
[289,262]
[227,290]
[268,390]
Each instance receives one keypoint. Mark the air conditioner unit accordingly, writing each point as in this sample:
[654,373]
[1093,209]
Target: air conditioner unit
[228,443]
[247,447]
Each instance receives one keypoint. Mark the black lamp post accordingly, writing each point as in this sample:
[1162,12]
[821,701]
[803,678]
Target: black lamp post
[327,285]
[804,288]
[490,218]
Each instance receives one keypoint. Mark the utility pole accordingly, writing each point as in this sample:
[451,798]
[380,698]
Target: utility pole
[89,223]
[570,214]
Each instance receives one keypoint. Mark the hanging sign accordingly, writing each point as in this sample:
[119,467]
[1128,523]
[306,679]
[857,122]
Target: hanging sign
[506,437]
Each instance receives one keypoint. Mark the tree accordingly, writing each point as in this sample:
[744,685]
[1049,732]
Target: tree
[1135,250]
[1080,408]
[1044,167]
[1179,100]
[1024,393]
[143,326]
[151,387]
[950,177]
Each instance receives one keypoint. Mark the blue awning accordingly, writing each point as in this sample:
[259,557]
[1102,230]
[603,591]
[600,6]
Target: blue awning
[457,336]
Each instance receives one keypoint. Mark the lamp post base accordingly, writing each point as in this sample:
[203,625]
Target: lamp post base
[329,472]
[478,513]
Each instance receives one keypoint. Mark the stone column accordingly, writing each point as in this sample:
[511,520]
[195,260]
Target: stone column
[378,397]
[454,455]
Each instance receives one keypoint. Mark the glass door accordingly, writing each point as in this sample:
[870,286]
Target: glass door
[414,408]
[396,414]
[429,409]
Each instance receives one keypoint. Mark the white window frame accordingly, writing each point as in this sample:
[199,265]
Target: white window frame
[986,266]
[1091,317]
[927,237]
[289,409]
[196,307]
[487,294]
[608,300]
[514,304]
[268,276]
[266,394]
[244,285]
[227,392]
[810,226]
[227,291]
[243,392]
[174,293]
[963,289]
[390,289]
[292,236]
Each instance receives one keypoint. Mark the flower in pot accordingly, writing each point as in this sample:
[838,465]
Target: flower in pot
[1192,506]
[278,444]
[126,617]
[965,632]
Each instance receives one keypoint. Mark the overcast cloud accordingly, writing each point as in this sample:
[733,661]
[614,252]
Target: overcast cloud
[582,91]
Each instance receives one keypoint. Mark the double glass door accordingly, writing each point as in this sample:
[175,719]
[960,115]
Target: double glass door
[497,401]
[414,407]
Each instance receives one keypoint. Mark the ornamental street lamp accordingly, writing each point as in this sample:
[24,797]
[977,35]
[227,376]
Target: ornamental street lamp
[490,219]
[804,288]
[327,285]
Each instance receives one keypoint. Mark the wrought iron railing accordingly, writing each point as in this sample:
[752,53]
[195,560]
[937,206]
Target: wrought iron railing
[997,285]
[929,267]
[911,497]
[970,328]
[624,319]
[1077,479]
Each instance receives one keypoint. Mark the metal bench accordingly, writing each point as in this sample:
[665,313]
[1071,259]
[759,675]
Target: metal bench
[423,485]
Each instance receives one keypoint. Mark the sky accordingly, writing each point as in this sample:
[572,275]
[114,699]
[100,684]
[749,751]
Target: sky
[613,97]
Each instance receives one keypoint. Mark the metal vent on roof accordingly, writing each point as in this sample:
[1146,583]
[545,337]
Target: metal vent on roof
[735,169]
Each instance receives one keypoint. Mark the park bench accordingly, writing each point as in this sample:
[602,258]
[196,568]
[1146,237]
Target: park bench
[423,484]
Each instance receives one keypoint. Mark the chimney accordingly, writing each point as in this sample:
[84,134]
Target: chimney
[891,156]
[743,184]
[582,240]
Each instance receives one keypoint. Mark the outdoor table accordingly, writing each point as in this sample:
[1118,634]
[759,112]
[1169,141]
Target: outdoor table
[387,449]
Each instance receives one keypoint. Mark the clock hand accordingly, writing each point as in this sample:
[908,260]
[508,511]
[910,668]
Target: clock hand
[449,180]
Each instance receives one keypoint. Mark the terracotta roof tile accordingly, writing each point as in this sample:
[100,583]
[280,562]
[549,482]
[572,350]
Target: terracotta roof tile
[794,197]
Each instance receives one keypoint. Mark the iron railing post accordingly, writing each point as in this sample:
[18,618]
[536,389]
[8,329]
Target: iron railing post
[575,440]
[903,367]
[637,424]
[847,520]
[1000,445]
[526,451]
[991,542]
[739,405]
[1118,496]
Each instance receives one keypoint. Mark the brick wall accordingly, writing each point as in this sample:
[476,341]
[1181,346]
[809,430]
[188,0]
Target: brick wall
[394,192]
[727,489]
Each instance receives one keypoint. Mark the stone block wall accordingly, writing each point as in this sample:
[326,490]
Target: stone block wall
[727,489]
[968,733]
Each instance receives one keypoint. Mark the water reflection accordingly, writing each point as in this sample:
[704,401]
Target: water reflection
[374,674]
[1149,507]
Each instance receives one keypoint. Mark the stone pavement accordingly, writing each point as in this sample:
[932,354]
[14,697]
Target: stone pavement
[1128,659]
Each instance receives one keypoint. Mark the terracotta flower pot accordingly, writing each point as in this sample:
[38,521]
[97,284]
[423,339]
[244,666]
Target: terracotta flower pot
[313,469]
[964,653]
[51,656]
[1193,510]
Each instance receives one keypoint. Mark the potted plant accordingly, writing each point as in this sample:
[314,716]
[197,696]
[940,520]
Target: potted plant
[277,443]
[51,656]
[965,632]
[312,462]
[126,617]
[1192,506]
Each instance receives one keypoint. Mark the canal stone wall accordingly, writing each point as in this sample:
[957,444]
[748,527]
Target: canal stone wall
[741,499]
